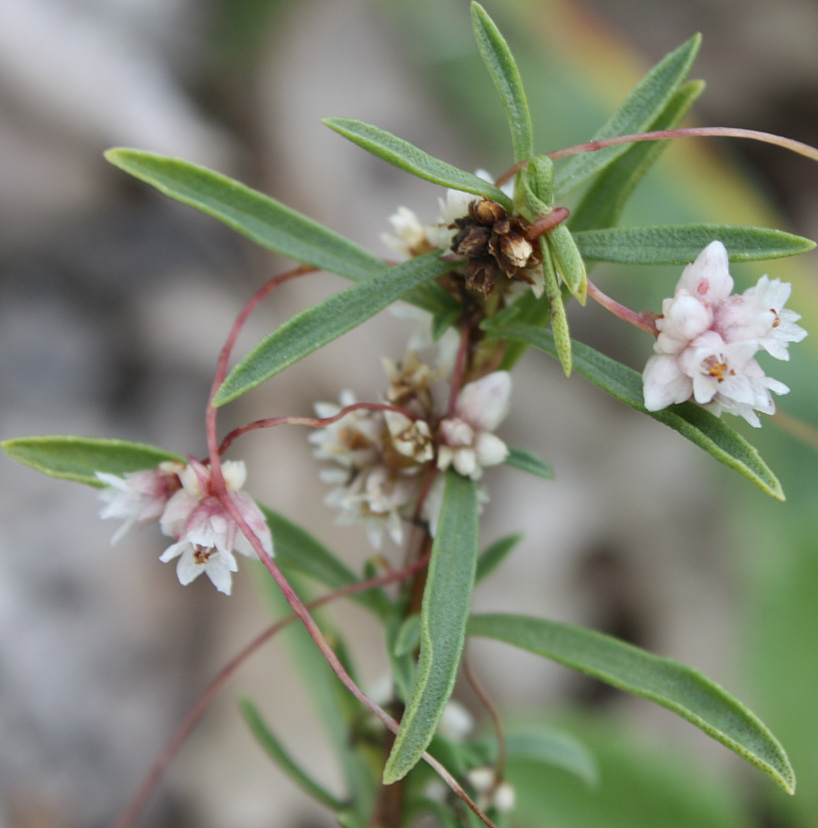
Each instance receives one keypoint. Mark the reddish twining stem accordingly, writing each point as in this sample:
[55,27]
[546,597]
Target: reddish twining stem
[542,225]
[313,422]
[334,662]
[459,367]
[689,132]
[486,701]
[157,770]
[224,356]
[646,320]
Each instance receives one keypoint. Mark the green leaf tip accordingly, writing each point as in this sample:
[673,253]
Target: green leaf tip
[325,321]
[675,686]
[506,76]
[78,458]
[691,420]
[444,614]
[412,159]
[254,214]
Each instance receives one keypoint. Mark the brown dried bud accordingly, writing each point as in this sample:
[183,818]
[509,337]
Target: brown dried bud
[493,243]
[486,212]
[481,275]
[512,251]
[471,240]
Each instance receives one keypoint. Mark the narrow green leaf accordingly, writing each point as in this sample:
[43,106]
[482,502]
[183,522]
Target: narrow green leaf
[400,650]
[298,551]
[529,462]
[278,753]
[444,613]
[263,219]
[675,686]
[604,200]
[503,70]
[77,458]
[414,160]
[554,748]
[338,712]
[494,555]
[640,109]
[569,261]
[690,420]
[325,321]
[681,243]
[559,321]
[408,636]
[528,310]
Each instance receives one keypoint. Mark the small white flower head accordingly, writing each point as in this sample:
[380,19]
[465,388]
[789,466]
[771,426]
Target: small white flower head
[206,534]
[456,722]
[138,497]
[491,792]
[410,235]
[411,441]
[466,439]
[759,314]
[351,441]
[708,340]
[376,497]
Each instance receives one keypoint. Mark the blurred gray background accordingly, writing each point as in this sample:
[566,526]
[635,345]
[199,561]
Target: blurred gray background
[114,302]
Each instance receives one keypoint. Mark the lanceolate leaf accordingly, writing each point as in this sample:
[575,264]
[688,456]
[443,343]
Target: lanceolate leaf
[528,462]
[605,199]
[263,219]
[408,157]
[298,551]
[506,77]
[492,557]
[444,612]
[690,420]
[672,685]
[681,243]
[325,321]
[279,754]
[569,261]
[555,748]
[77,458]
[637,113]
[559,321]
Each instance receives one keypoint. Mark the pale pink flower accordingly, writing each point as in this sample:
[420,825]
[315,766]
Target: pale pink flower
[206,533]
[708,339]
[466,439]
[759,314]
[140,496]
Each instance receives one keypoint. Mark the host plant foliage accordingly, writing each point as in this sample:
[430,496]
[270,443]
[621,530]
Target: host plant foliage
[489,279]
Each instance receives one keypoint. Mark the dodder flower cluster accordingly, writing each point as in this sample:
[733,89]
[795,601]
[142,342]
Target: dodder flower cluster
[708,340]
[181,498]
[382,459]
[492,245]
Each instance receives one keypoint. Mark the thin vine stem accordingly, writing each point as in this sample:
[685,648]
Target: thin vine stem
[157,771]
[645,321]
[329,654]
[312,422]
[486,700]
[798,147]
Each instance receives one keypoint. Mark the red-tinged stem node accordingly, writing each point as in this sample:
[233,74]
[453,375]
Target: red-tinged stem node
[645,321]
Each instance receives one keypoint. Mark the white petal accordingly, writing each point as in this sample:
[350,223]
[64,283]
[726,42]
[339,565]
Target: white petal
[708,278]
[490,449]
[485,402]
[663,383]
